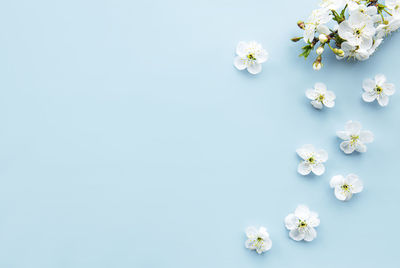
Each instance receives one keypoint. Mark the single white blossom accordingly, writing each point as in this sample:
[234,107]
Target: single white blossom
[258,239]
[377,89]
[250,55]
[370,12]
[320,96]
[301,224]
[345,187]
[312,160]
[354,51]
[354,138]
[333,4]
[317,65]
[358,30]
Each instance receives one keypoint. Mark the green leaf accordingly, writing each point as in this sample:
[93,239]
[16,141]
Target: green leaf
[306,51]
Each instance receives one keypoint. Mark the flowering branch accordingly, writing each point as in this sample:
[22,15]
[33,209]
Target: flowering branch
[349,28]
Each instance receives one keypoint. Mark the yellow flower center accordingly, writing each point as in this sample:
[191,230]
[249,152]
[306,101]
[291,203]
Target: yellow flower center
[302,224]
[250,56]
[321,97]
[311,159]
[345,187]
[378,90]
[354,139]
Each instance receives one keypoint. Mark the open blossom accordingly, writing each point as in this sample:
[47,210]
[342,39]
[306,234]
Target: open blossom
[320,96]
[316,22]
[250,55]
[354,51]
[345,187]
[301,224]
[368,12]
[312,160]
[392,24]
[354,138]
[333,4]
[358,31]
[393,6]
[258,239]
[378,89]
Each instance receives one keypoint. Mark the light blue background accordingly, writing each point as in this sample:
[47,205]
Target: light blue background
[128,139]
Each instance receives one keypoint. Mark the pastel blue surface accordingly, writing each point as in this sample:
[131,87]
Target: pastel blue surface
[128,139]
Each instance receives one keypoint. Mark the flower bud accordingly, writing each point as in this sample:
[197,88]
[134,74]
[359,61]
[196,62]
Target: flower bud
[317,66]
[320,50]
[338,52]
[296,39]
[301,24]
[323,38]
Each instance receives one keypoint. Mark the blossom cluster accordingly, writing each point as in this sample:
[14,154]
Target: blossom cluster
[349,28]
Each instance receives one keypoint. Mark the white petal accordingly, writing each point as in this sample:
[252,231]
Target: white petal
[267,244]
[353,127]
[320,87]
[329,103]
[346,147]
[262,232]
[330,95]
[242,49]
[291,221]
[357,186]
[304,168]
[254,68]
[344,135]
[366,136]
[240,63]
[302,212]
[388,89]
[296,235]
[323,29]
[318,169]
[251,232]
[336,181]
[360,147]
[262,57]
[313,220]
[311,94]
[369,96]
[368,85]
[310,234]
[383,100]
[380,79]
[305,151]
[317,104]
[250,243]
[340,194]
[322,155]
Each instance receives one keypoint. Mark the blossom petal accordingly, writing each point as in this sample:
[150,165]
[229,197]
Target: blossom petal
[346,147]
[329,103]
[291,221]
[355,182]
[360,147]
[336,181]
[311,94]
[305,151]
[353,127]
[330,95]
[302,212]
[310,234]
[322,155]
[316,104]
[250,243]
[240,63]
[380,79]
[251,232]
[340,194]
[262,57]
[369,85]
[304,168]
[383,100]
[320,87]
[254,68]
[323,29]
[344,135]
[242,49]
[366,136]
[388,89]
[267,245]
[296,235]
[369,96]
[313,220]
[318,169]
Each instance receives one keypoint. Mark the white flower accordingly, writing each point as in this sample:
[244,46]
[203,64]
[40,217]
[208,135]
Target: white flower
[393,6]
[316,22]
[317,65]
[370,12]
[354,138]
[312,160]
[301,224]
[320,50]
[258,239]
[320,96]
[392,24]
[250,56]
[377,89]
[358,30]
[345,187]
[354,51]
